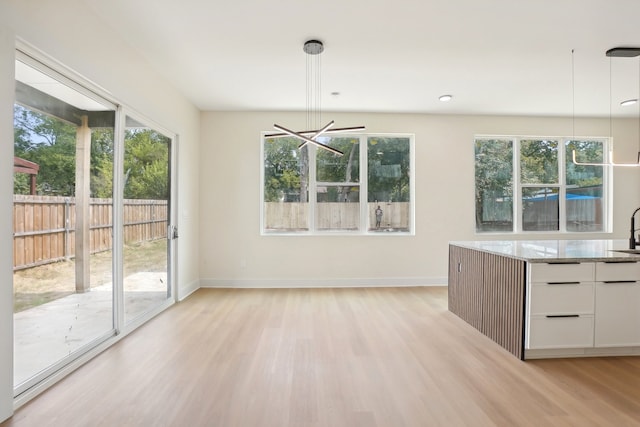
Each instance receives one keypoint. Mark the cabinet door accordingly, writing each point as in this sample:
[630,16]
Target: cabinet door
[617,315]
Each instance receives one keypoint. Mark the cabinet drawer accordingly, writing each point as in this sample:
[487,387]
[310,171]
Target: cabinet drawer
[561,298]
[549,273]
[560,332]
[612,271]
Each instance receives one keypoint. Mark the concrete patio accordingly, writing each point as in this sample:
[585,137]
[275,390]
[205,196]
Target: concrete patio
[45,334]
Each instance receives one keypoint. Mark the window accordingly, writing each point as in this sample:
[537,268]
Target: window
[527,184]
[369,189]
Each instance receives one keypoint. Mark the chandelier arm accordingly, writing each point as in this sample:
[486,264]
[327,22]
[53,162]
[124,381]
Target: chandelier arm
[311,132]
[307,139]
[317,134]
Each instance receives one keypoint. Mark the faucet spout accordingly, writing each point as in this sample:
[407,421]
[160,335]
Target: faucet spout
[632,237]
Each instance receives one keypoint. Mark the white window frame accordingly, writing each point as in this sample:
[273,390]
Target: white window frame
[607,182]
[363,228]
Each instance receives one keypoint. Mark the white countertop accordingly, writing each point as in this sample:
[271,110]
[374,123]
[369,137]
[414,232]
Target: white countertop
[554,250]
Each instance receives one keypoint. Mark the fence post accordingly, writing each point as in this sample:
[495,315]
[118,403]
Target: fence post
[67,231]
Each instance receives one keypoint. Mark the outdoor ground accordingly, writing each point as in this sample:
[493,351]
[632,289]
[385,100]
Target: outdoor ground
[38,285]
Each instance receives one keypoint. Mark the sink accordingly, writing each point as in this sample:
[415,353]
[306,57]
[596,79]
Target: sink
[627,251]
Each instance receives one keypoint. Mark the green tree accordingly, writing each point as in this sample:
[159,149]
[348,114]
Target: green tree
[50,143]
[285,170]
[494,181]
[539,161]
[22,146]
[586,152]
[102,163]
[389,160]
[146,165]
[335,168]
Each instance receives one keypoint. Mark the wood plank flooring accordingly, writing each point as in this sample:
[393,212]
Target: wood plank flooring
[330,357]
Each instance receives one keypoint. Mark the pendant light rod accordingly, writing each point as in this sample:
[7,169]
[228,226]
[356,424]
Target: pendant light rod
[616,52]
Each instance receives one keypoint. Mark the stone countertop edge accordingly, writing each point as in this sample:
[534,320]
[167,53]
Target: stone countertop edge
[554,251]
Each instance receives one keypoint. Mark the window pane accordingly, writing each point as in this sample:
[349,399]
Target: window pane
[539,161]
[338,208]
[494,185]
[388,180]
[286,172]
[584,186]
[335,168]
[540,209]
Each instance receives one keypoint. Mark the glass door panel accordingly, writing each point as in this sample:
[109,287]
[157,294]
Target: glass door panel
[147,188]
[62,247]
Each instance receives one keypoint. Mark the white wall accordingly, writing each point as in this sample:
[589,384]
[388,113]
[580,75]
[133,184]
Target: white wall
[72,35]
[234,254]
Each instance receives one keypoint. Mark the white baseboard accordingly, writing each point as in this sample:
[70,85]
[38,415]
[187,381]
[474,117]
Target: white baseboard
[552,353]
[185,291]
[324,283]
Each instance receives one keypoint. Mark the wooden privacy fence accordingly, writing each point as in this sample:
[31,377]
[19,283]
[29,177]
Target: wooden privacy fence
[334,216]
[44,226]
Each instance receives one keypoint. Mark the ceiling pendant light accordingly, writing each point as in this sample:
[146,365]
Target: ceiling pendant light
[617,52]
[313,49]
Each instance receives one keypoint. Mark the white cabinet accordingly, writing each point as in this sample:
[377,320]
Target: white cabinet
[617,311]
[583,305]
[560,305]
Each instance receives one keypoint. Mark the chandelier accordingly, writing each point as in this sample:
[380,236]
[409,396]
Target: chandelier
[313,49]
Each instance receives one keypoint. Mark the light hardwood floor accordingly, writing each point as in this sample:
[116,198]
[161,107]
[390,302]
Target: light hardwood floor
[330,357]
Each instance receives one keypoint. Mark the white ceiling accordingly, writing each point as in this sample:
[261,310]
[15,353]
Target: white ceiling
[494,56]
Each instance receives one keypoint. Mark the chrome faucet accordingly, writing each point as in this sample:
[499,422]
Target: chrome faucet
[632,239]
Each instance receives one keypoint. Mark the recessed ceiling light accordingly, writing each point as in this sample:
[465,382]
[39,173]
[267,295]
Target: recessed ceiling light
[446,98]
[628,102]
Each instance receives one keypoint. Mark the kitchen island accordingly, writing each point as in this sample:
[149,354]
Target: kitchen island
[549,298]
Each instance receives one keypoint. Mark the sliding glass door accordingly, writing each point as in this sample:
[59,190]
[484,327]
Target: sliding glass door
[147,197]
[93,233]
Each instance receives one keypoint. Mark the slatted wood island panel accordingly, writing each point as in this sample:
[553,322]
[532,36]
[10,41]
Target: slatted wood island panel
[488,292]
[552,298]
